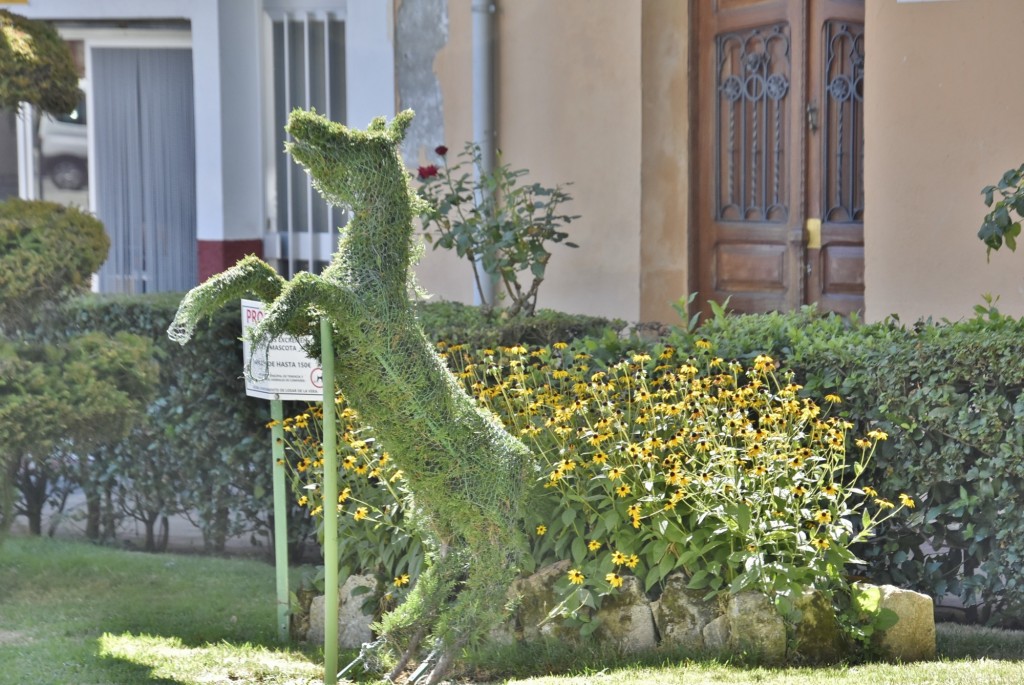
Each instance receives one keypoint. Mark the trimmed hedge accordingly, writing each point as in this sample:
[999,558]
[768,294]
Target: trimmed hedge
[950,397]
[205,446]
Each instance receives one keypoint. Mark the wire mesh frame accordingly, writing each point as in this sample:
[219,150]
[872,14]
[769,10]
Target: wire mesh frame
[842,157]
[308,64]
[752,80]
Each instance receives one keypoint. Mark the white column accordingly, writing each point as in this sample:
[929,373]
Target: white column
[369,61]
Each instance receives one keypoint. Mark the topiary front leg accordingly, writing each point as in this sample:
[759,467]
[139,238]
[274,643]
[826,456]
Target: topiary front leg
[298,307]
[250,276]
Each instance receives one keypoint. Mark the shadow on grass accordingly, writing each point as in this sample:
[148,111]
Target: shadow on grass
[125,672]
[164,660]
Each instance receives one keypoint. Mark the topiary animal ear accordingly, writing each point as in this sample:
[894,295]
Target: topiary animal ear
[400,124]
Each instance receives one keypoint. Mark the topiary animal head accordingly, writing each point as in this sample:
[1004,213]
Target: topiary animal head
[348,166]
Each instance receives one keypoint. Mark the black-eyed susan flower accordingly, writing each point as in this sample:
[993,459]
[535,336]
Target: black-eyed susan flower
[541,529]
[831,490]
[821,543]
[594,545]
[878,435]
[402,580]
[576,577]
[884,503]
[632,561]
[361,513]
[907,501]
[614,579]
[823,516]
[618,558]
[623,490]
[870,491]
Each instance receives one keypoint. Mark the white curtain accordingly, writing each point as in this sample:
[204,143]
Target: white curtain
[145,167]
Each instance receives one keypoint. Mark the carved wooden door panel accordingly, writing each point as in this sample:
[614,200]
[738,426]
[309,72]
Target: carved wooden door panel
[779,141]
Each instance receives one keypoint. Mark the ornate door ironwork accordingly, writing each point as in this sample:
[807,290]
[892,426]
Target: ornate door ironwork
[754,72]
[779,175]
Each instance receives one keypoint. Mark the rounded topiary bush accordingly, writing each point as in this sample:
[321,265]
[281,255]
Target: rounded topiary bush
[47,251]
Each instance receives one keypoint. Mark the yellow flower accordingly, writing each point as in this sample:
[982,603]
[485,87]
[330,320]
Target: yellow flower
[560,345]
[361,513]
[821,543]
[834,399]
[831,490]
[884,503]
[303,501]
[575,577]
[599,458]
[632,561]
[703,344]
[823,516]
[798,490]
[907,501]
[316,511]
[623,490]
[862,443]
[878,435]
[401,580]
[618,558]
[541,529]
[614,579]
[615,473]
[594,545]
[361,469]
[344,495]
[870,491]
[348,462]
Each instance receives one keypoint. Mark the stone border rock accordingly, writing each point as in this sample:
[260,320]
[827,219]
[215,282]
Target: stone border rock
[745,623]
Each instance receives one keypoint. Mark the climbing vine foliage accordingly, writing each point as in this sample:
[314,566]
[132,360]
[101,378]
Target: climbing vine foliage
[465,471]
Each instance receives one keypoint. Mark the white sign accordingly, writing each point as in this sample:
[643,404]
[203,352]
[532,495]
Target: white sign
[280,370]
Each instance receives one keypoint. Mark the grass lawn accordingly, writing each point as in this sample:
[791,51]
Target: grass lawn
[75,614]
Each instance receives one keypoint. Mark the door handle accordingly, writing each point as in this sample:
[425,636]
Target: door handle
[812,231]
[812,116]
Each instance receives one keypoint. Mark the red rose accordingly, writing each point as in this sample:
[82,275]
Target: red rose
[428,171]
[441,150]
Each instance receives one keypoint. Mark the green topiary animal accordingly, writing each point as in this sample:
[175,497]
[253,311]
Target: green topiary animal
[465,470]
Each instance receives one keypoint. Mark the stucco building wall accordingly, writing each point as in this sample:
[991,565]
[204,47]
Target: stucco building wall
[943,113]
[568,103]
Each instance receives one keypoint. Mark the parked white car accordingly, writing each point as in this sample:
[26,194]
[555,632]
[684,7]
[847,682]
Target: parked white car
[64,148]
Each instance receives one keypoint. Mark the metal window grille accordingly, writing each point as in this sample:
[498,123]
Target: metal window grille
[308,72]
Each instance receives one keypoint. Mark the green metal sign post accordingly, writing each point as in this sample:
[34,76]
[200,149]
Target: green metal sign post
[279,372]
[280,520]
[330,445]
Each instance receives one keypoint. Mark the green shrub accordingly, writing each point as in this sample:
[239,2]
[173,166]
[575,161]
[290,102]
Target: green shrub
[646,467]
[35,66]
[950,397]
[456,323]
[47,252]
[203,448]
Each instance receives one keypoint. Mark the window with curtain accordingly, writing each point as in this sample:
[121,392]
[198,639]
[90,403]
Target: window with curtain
[142,110]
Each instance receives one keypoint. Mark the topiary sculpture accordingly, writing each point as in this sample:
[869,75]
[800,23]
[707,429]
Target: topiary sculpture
[465,470]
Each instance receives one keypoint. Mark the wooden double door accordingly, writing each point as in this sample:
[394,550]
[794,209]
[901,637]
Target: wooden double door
[780,154]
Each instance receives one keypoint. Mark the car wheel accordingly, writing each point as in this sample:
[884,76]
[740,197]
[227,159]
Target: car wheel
[68,174]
